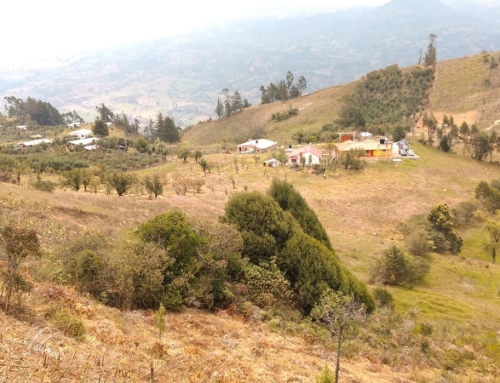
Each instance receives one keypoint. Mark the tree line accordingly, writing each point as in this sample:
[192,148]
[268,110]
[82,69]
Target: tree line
[230,104]
[283,90]
[32,110]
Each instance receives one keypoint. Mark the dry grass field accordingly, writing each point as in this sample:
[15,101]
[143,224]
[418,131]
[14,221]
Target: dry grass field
[362,212]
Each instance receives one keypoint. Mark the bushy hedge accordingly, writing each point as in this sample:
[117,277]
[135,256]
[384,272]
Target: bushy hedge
[290,200]
[308,264]
[172,261]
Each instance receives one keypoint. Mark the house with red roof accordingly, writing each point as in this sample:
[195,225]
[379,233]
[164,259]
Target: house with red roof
[308,155]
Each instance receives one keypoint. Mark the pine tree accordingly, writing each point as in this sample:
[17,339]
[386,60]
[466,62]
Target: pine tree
[165,129]
[219,109]
[430,56]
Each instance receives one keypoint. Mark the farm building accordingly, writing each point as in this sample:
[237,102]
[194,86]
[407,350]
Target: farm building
[29,144]
[257,146]
[380,148]
[81,134]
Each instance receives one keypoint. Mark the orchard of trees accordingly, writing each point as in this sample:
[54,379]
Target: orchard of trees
[386,98]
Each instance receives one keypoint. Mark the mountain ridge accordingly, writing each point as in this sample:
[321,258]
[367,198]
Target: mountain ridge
[183,76]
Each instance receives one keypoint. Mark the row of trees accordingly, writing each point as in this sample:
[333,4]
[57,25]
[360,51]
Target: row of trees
[476,144]
[93,178]
[284,90]
[231,103]
[164,129]
[121,120]
[32,110]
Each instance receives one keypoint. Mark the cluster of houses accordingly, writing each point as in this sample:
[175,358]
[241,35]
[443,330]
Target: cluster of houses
[82,137]
[310,155]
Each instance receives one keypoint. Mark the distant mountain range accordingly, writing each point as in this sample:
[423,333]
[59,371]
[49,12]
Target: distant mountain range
[183,76]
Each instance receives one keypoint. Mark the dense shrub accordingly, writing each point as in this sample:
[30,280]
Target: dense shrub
[463,213]
[202,260]
[290,200]
[84,264]
[46,186]
[266,286]
[418,242]
[444,236]
[489,195]
[309,266]
[383,298]
[280,116]
[264,226]
[397,268]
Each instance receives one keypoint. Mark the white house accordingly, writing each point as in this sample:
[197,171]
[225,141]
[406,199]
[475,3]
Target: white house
[81,134]
[309,154]
[83,141]
[257,146]
[29,144]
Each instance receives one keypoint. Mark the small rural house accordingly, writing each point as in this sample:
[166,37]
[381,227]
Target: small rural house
[29,144]
[257,146]
[380,148]
[272,163]
[87,143]
[81,134]
[309,154]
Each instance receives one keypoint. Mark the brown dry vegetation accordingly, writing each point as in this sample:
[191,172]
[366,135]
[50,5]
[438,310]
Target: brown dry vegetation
[361,212]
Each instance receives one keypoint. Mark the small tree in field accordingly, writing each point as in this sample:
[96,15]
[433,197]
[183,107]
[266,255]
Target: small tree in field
[399,269]
[204,165]
[18,242]
[492,225]
[121,182]
[160,324]
[153,185]
[340,314]
[441,219]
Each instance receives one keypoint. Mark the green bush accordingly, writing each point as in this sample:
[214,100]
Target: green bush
[266,285]
[418,242]
[201,260]
[264,226]
[309,266]
[327,376]
[290,200]
[397,268]
[46,186]
[69,324]
[444,237]
[84,265]
[463,213]
[383,298]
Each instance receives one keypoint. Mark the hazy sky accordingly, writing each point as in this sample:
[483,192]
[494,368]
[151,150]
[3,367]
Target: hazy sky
[41,29]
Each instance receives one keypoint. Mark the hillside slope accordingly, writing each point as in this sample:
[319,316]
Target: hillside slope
[361,212]
[465,88]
